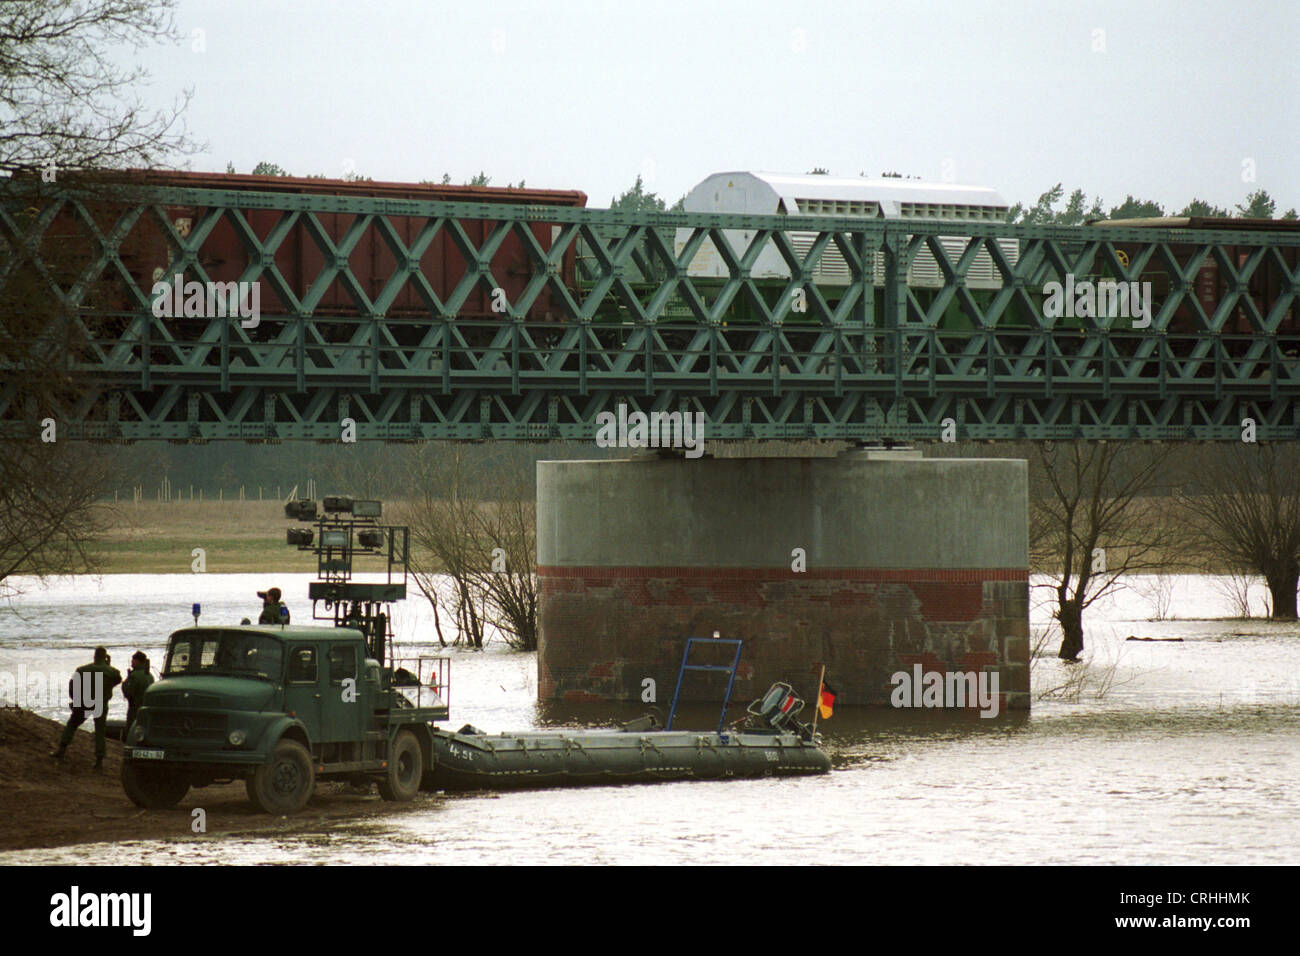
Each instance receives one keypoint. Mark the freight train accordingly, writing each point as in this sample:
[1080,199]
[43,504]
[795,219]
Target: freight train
[382,256]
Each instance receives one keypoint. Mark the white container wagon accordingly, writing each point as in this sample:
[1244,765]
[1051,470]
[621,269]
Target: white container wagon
[783,194]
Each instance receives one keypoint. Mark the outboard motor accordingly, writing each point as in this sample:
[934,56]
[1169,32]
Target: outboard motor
[779,708]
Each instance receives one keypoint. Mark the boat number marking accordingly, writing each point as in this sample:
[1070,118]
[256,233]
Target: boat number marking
[771,756]
[463,752]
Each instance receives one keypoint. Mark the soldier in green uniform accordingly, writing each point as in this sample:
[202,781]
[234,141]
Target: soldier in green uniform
[90,689]
[136,683]
[271,606]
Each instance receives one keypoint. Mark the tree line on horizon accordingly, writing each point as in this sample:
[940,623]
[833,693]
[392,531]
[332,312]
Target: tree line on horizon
[635,198]
[1078,210]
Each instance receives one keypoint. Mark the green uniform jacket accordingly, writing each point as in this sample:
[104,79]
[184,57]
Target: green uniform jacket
[271,614]
[112,677]
[137,681]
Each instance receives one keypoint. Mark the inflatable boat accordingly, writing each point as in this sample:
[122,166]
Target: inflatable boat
[771,743]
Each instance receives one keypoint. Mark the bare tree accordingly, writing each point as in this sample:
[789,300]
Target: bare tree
[64,102]
[1244,510]
[508,526]
[1091,523]
[48,487]
[66,111]
[49,510]
[359,469]
[473,531]
[442,559]
[64,106]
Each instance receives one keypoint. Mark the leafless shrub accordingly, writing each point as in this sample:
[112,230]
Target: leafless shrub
[474,542]
[1092,678]
[1235,587]
[1244,508]
[1158,590]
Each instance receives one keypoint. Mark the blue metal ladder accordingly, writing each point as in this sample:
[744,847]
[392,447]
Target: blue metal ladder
[722,668]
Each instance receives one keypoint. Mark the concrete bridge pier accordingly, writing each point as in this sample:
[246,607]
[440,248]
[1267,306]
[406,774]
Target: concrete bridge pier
[871,563]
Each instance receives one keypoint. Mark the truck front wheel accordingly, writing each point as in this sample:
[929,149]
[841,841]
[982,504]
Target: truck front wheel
[401,779]
[152,787]
[286,783]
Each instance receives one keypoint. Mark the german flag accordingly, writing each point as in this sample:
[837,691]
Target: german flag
[825,700]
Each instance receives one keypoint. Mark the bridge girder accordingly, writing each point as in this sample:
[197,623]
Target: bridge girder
[877,355]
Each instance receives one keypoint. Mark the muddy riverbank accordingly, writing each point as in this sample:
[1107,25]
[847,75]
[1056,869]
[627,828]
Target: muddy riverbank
[49,803]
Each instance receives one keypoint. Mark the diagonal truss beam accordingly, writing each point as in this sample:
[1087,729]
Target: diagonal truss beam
[458,320]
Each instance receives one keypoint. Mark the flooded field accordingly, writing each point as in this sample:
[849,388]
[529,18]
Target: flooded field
[1152,753]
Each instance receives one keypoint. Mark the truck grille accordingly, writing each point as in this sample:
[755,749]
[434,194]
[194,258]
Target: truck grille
[184,698]
[188,726]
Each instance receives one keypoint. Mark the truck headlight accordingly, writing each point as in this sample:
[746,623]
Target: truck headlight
[237,738]
[137,733]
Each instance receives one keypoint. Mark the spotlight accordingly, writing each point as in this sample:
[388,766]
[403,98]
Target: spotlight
[304,510]
[299,536]
[371,539]
[334,504]
[365,508]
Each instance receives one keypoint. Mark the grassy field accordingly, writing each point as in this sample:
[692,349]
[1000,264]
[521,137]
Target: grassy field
[153,537]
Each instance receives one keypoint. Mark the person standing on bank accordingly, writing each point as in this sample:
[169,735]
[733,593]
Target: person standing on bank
[137,682]
[91,688]
[271,606]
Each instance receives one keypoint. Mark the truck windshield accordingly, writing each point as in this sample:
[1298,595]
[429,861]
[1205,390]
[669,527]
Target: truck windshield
[224,652]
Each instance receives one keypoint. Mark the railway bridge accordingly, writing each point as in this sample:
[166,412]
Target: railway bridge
[455,320]
[388,316]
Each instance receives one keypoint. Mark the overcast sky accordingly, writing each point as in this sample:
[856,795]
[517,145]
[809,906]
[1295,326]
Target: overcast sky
[1163,99]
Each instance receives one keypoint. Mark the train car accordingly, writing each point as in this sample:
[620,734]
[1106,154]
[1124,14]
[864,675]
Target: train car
[761,193]
[1266,282]
[373,262]
[782,194]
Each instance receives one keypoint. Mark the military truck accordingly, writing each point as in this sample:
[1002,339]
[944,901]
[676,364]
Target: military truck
[282,707]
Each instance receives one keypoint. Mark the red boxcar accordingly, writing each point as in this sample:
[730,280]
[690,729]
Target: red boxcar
[300,258]
[1211,284]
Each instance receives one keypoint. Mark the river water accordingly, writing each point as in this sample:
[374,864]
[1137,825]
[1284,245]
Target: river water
[1160,753]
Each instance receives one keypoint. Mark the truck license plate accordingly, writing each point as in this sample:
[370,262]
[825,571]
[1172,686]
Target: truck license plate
[147,754]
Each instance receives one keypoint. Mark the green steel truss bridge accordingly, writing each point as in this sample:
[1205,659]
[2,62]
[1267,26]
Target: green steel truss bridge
[599,308]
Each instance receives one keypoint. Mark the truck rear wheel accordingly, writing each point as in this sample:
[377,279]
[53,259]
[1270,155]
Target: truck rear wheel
[151,787]
[286,783]
[401,780]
